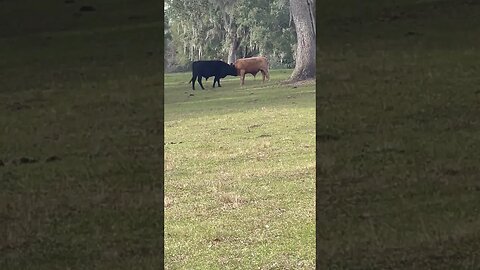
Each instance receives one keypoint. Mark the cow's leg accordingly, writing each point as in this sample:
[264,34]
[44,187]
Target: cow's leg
[200,82]
[242,77]
[263,75]
[216,80]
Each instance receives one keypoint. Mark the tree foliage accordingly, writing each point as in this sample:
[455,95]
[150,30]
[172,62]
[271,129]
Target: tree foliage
[229,29]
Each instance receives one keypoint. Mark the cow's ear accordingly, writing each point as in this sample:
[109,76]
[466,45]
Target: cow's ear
[232,64]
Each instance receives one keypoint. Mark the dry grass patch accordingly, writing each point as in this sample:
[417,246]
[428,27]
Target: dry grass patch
[168,201]
[169,164]
[232,200]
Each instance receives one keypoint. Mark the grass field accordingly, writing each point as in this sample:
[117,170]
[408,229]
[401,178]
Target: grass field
[80,135]
[239,174]
[399,135]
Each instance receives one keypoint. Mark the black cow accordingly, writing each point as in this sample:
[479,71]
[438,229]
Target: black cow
[211,68]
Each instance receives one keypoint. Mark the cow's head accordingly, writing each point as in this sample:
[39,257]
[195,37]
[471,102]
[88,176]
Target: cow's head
[232,71]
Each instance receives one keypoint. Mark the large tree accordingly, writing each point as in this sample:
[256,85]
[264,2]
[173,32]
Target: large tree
[226,9]
[303,14]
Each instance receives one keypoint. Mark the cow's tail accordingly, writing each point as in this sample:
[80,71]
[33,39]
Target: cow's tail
[268,69]
[193,74]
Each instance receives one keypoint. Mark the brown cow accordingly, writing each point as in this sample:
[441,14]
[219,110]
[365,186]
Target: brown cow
[252,65]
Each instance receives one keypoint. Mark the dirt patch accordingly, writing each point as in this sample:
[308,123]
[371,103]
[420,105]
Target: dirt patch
[299,83]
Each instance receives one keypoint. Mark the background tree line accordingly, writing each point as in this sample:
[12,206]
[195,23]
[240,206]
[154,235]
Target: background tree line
[228,30]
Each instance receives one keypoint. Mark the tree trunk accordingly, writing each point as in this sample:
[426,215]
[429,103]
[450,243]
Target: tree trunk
[304,20]
[235,43]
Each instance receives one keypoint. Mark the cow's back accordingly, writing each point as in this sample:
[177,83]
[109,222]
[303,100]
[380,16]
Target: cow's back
[252,64]
[207,67]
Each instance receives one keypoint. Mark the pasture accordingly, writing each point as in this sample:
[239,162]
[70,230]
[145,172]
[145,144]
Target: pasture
[80,135]
[399,134]
[239,174]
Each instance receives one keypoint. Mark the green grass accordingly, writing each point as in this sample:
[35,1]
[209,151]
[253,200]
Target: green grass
[239,174]
[398,106]
[86,105]
[30,17]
